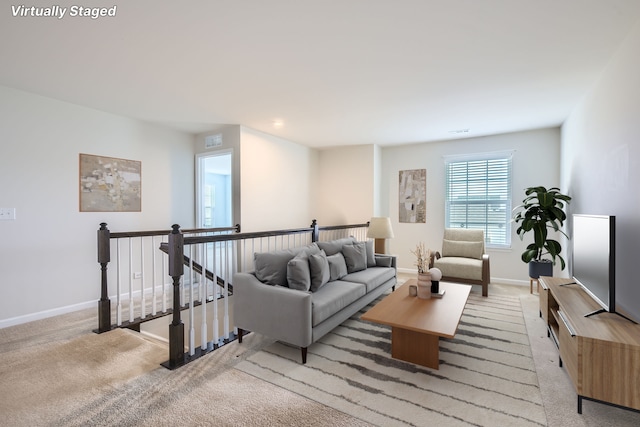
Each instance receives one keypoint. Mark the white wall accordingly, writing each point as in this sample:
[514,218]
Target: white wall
[601,161]
[48,260]
[277,177]
[346,185]
[535,162]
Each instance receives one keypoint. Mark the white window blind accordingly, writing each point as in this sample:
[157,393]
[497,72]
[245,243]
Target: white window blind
[478,195]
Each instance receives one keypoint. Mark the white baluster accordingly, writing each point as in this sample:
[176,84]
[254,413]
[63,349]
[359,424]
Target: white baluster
[203,300]
[131,315]
[192,331]
[118,286]
[143,300]
[164,277]
[226,293]
[154,254]
[216,326]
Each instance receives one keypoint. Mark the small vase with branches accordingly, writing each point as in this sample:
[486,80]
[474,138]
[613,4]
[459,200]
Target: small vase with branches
[423,258]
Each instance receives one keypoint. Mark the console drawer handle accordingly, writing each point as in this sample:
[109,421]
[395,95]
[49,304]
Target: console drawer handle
[566,323]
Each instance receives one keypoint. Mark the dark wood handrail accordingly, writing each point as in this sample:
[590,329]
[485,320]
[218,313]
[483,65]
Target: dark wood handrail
[149,233]
[242,236]
[342,227]
[272,233]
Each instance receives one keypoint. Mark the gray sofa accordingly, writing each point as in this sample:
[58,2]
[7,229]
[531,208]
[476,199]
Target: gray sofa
[298,295]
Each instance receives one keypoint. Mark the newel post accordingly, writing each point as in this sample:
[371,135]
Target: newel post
[176,270]
[315,232]
[104,256]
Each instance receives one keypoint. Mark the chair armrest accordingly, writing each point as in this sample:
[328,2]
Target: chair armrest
[434,256]
[275,311]
[486,274]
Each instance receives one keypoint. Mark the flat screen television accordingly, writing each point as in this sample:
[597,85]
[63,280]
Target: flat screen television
[594,258]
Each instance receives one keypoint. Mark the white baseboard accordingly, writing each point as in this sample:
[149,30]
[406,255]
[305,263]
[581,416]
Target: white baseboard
[124,297]
[496,280]
[154,336]
[509,281]
[18,320]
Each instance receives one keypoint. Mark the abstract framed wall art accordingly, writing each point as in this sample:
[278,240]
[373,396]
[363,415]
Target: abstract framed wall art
[109,184]
[412,196]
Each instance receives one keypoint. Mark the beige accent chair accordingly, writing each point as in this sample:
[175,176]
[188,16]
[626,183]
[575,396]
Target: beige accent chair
[463,259]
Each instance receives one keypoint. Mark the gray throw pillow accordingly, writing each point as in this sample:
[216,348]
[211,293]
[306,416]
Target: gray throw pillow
[371,258]
[337,266]
[271,267]
[298,272]
[319,267]
[355,255]
[335,246]
[384,261]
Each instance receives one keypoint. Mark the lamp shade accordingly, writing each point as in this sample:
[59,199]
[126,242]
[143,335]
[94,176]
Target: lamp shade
[380,228]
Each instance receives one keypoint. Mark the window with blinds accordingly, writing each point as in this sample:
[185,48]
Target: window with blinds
[478,195]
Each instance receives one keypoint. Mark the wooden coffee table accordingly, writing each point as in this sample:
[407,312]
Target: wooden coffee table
[417,324]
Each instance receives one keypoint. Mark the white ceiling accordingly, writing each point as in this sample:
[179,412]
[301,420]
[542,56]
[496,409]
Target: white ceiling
[333,71]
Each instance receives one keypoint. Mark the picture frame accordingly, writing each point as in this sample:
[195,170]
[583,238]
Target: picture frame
[109,184]
[412,196]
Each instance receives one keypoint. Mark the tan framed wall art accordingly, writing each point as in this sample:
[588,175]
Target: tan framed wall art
[412,194]
[109,184]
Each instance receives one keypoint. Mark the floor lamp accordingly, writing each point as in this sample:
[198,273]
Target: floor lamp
[380,230]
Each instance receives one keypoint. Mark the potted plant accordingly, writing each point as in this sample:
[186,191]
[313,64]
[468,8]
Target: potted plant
[540,211]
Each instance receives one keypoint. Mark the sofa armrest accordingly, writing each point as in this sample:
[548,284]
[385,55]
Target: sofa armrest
[275,311]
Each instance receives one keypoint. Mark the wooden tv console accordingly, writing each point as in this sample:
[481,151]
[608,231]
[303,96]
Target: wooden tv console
[601,353]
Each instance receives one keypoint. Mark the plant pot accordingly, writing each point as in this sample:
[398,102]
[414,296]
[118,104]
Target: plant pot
[543,267]
[424,285]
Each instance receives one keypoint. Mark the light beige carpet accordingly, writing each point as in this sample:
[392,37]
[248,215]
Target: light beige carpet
[209,391]
[58,373]
[37,382]
[487,374]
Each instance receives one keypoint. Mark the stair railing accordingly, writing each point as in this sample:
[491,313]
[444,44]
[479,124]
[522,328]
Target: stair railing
[200,265]
[138,281]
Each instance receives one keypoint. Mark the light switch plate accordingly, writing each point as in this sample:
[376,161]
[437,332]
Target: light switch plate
[7,214]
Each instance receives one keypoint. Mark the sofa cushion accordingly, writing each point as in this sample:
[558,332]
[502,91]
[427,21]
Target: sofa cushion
[371,277]
[355,255]
[271,267]
[337,266]
[298,272]
[319,267]
[335,246]
[333,297]
[463,268]
[462,249]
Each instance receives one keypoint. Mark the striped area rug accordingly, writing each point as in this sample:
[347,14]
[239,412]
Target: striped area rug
[486,377]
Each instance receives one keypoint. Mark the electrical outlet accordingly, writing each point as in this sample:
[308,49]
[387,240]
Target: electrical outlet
[137,275]
[7,214]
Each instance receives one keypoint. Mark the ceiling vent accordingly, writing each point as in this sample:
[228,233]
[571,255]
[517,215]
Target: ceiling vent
[213,141]
[459,131]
